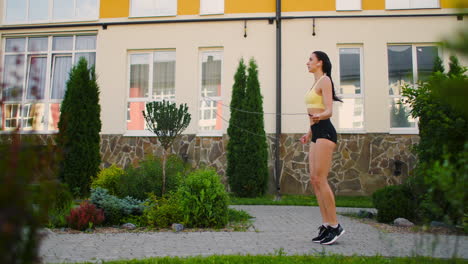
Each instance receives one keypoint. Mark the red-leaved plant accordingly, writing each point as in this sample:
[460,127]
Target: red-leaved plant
[85,216]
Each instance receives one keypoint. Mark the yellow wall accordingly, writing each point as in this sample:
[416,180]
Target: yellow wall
[121,8]
[309,5]
[373,4]
[114,8]
[188,7]
[453,3]
[249,6]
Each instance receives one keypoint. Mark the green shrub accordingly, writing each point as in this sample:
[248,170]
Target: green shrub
[439,123]
[162,212]
[447,199]
[22,213]
[438,177]
[238,215]
[57,218]
[60,207]
[147,178]
[203,200]
[176,168]
[393,202]
[60,204]
[115,209]
[137,220]
[465,222]
[138,182]
[109,179]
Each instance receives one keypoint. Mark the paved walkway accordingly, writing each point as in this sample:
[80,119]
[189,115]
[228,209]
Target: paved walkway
[277,227]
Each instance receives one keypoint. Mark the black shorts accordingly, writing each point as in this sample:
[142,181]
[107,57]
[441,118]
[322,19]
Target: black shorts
[324,129]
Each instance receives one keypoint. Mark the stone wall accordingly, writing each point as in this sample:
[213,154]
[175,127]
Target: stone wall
[198,151]
[362,163]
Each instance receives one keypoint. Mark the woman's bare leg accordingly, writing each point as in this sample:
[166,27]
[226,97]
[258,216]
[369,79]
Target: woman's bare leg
[323,152]
[313,175]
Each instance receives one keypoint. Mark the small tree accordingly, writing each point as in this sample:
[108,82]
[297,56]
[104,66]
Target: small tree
[235,147]
[79,128]
[167,122]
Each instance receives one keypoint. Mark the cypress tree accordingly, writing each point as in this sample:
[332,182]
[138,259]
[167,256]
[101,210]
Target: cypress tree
[455,69]
[235,133]
[79,128]
[255,165]
[438,65]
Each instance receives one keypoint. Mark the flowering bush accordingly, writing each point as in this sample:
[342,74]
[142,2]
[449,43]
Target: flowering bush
[87,215]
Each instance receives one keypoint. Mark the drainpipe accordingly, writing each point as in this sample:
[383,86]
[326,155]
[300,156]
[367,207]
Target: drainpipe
[278,98]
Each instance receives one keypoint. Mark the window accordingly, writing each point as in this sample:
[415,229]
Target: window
[348,5]
[45,11]
[145,8]
[210,7]
[407,64]
[152,78]
[35,73]
[11,116]
[411,4]
[350,113]
[210,115]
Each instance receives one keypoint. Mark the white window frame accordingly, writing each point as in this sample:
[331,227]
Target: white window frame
[17,117]
[407,130]
[205,11]
[47,101]
[50,14]
[411,5]
[149,97]
[341,6]
[24,119]
[352,96]
[154,14]
[213,133]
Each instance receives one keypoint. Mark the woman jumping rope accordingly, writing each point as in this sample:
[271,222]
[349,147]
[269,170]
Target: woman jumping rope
[319,100]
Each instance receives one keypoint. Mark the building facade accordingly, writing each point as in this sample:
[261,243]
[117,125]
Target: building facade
[187,51]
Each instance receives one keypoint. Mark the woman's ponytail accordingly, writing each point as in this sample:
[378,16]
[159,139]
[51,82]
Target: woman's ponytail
[327,68]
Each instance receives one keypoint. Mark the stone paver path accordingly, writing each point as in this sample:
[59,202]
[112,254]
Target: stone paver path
[289,228]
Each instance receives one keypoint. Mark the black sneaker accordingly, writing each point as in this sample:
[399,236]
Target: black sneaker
[323,232]
[333,235]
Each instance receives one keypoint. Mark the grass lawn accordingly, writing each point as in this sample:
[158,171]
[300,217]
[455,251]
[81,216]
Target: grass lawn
[289,259]
[341,201]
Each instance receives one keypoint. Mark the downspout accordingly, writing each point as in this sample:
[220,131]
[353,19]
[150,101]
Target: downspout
[278,99]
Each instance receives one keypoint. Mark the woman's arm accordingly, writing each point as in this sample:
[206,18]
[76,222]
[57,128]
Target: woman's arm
[306,137]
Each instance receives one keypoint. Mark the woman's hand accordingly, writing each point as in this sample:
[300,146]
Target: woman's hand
[315,118]
[305,138]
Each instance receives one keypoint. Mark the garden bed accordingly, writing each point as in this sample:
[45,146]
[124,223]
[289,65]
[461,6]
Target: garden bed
[115,230]
[416,229]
